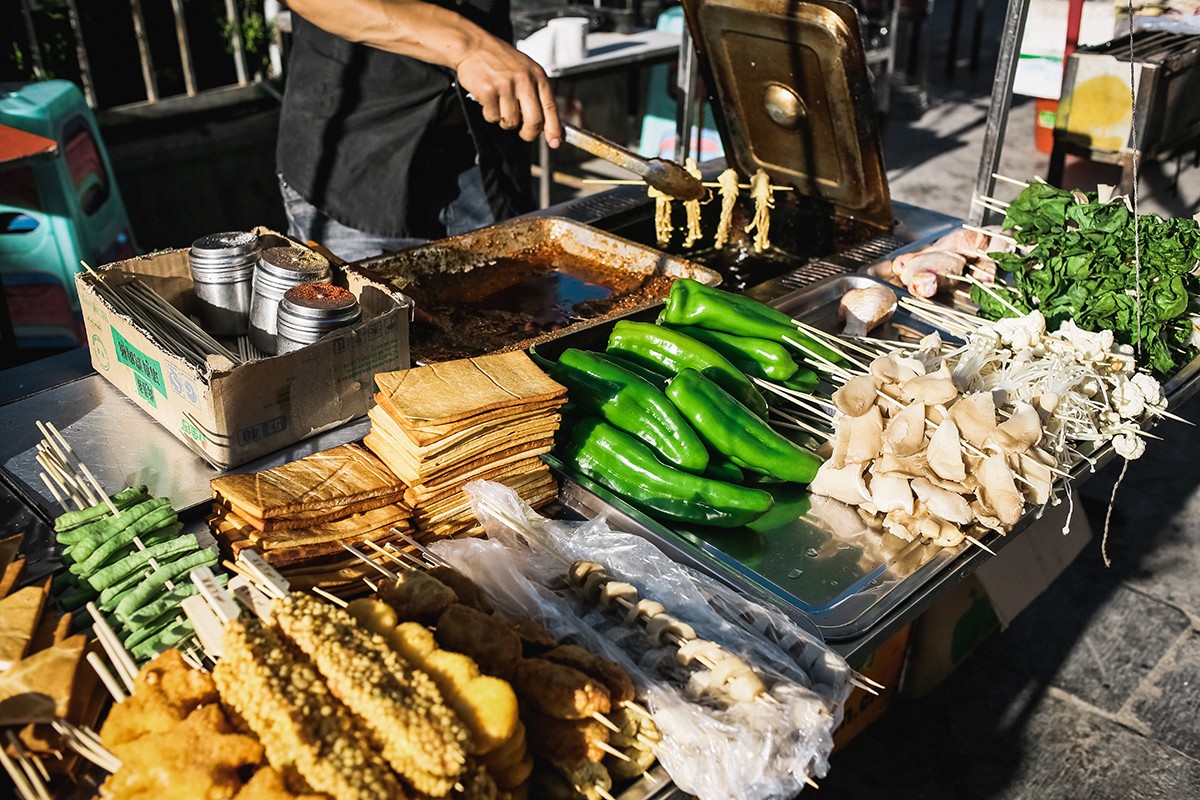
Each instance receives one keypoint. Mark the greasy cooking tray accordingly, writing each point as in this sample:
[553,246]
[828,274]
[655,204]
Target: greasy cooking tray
[523,281]
[820,561]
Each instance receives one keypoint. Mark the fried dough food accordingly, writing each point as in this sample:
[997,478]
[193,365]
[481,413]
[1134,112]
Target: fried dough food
[417,596]
[199,758]
[165,692]
[493,645]
[565,739]
[559,691]
[615,679]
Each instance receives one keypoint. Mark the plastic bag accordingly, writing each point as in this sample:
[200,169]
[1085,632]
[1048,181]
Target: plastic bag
[711,747]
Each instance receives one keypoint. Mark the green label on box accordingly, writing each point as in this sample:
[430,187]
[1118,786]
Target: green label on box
[145,389]
[190,430]
[144,367]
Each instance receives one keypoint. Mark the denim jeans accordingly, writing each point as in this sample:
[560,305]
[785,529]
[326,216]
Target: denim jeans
[467,212]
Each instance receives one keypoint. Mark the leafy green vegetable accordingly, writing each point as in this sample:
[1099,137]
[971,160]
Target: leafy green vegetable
[1081,267]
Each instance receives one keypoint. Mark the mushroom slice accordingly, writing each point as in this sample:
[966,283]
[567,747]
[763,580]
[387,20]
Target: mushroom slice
[931,389]
[836,457]
[893,368]
[891,493]
[941,503]
[998,490]
[975,416]
[901,525]
[947,535]
[984,516]
[1020,431]
[840,519]
[856,397]
[914,466]
[1039,486]
[945,452]
[865,436]
[846,484]
[905,431]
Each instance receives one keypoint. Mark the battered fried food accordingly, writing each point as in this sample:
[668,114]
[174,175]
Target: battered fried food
[401,708]
[467,591]
[165,692]
[535,639]
[417,596]
[198,758]
[728,183]
[268,784]
[374,615]
[585,776]
[559,691]
[412,640]
[565,739]
[495,648]
[302,727]
[692,208]
[611,674]
[509,753]
[764,201]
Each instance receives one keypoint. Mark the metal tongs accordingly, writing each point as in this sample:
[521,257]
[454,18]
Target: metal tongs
[666,176]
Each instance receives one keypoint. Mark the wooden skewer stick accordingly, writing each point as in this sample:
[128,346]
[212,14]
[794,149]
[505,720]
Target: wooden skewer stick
[705,184]
[50,485]
[413,561]
[868,689]
[811,783]
[363,557]
[978,543]
[612,751]
[79,466]
[20,782]
[605,721]
[106,677]
[33,767]
[1013,181]
[389,555]
[986,232]
[117,654]
[333,598]
[866,679]
[374,587]
[604,793]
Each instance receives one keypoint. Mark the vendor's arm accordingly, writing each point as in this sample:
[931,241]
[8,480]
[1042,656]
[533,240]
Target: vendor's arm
[511,87]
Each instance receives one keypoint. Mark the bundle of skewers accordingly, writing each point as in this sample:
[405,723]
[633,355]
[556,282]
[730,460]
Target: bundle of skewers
[171,329]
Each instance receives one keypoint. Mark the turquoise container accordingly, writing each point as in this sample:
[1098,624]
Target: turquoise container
[55,213]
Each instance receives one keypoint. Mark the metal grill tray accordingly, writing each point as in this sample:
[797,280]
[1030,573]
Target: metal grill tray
[842,581]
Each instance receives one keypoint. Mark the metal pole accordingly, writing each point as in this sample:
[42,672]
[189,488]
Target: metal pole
[35,48]
[689,84]
[139,32]
[235,36]
[997,119]
[85,67]
[185,51]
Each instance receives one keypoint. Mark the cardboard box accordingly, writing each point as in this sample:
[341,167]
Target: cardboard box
[232,414]
[885,666]
[991,598]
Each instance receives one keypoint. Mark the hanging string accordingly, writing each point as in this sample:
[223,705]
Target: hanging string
[1137,258]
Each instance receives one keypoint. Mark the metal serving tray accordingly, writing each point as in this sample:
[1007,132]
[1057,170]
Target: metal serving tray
[825,565]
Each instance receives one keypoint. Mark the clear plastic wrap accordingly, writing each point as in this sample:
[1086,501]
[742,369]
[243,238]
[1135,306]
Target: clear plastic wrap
[712,746]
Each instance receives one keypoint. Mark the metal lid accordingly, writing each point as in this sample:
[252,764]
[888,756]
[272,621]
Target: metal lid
[319,302]
[294,264]
[228,244]
[791,79]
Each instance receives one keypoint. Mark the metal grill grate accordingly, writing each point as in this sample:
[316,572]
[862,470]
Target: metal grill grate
[844,263]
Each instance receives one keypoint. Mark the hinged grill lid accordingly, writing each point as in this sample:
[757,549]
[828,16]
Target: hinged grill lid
[791,79]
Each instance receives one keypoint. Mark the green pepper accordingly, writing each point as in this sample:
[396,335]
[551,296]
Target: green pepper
[627,467]
[735,431]
[630,404]
[692,303]
[758,358]
[721,468]
[650,376]
[668,351]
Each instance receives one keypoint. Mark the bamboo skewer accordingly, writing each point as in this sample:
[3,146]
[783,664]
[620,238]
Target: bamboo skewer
[333,598]
[117,654]
[106,677]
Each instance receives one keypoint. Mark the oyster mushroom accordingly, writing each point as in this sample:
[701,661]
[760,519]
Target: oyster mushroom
[1019,432]
[856,397]
[846,483]
[941,503]
[931,389]
[998,490]
[975,416]
[905,431]
[945,452]
[914,466]
[865,436]
[891,493]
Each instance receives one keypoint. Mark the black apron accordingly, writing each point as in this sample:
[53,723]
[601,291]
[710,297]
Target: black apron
[377,140]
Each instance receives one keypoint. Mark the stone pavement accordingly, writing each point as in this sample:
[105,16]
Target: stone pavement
[1094,690]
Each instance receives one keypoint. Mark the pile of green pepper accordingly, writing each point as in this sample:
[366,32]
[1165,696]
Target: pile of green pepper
[673,421]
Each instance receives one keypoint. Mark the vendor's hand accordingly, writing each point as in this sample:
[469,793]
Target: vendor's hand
[513,90]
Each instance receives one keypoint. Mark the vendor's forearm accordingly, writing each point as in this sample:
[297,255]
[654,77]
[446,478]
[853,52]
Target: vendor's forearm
[413,28]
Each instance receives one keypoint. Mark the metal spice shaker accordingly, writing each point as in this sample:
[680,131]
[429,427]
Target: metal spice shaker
[222,266]
[311,310]
[279,269]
